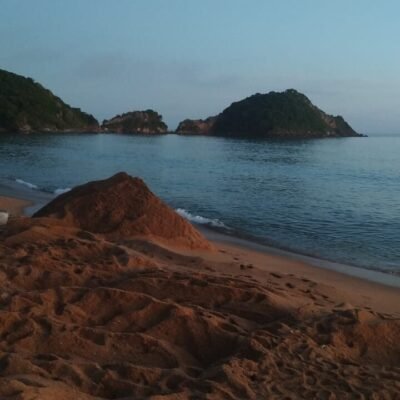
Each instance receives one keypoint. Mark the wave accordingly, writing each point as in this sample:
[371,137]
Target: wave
[27,184]
[198,219]
[32,186]
[61,191]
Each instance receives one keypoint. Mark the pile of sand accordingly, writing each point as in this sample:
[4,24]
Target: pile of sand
[123,207]
[85,317]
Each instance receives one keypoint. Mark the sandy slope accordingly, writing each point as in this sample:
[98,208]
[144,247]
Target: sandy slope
[143,307]
[84,317]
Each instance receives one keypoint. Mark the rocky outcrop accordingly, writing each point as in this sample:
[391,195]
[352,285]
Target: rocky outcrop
[146,122]
[196,126]
[123,207]
[288,114]
[26,106]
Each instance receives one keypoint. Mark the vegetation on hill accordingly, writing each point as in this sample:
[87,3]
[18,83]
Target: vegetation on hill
[148,121]
[26,106]
[285,114]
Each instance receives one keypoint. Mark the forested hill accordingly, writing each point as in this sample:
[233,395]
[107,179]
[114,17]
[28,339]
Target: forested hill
[26,106]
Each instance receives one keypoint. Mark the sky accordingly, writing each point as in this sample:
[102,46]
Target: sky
[192,59]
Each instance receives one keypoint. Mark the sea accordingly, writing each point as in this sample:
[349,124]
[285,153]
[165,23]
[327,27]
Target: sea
[334,199]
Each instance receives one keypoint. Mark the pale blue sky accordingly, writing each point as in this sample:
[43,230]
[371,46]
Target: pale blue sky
[189,58]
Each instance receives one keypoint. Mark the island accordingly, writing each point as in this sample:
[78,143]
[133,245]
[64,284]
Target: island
[196,126]
[287,114]
[143,122]
[26,106]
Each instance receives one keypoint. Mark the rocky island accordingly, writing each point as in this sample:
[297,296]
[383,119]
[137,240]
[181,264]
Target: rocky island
[287,114]
[196,126]
[145,122]
[26,106]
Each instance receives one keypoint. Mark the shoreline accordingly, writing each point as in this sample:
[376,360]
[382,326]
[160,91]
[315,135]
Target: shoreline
[32,199]
[25,201]
[362,290]
[136,307]
[366,274]
[14,206]
[138,311]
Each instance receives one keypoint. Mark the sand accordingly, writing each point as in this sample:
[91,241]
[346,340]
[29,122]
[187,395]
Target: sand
[13,206]
[123,206]
[359,292]
[83,316]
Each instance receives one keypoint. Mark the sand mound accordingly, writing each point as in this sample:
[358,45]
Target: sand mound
[122,207]
[82,317]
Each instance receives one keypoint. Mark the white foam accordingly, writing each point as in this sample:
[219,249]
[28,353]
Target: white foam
[61,191]
[198,219]
[3,217]
[27,184]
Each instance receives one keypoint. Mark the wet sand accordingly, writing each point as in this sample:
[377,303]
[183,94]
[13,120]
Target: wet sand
[361,292]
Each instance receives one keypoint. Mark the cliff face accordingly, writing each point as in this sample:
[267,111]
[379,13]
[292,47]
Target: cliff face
[288,114]
[147,122]
[26,106]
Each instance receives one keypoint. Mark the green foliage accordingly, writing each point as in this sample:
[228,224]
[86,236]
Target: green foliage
[148,121]
[26,105]
[286,114]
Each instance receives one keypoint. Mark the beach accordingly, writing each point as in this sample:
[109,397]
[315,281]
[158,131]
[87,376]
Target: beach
[343,278]
[13,205]
[199,201]
[88,316]
[318,198]
[385,298]
[357,291]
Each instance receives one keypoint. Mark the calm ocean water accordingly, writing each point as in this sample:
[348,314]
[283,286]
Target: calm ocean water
[337,199]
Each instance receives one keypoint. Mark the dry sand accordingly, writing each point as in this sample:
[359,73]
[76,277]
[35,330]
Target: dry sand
[13,206]
[86,317]
[357,291]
